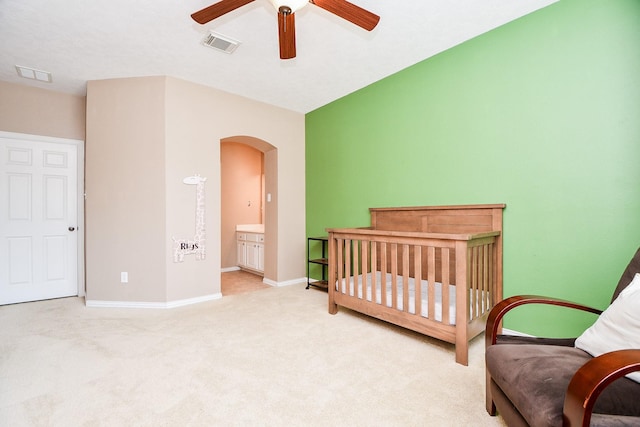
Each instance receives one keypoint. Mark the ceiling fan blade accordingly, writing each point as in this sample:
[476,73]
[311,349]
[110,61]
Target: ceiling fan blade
[287,34]
[349,11]
[217,10]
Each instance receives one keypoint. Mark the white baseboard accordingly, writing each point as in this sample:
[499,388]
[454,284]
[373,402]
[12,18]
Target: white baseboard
[141,304]
[285,283]
[228,269]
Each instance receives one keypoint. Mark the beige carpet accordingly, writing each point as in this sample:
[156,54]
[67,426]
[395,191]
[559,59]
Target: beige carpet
[268,358]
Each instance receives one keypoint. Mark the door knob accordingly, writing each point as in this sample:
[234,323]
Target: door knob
[71,228]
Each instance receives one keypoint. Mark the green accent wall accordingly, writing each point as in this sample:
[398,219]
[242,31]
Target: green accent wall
[542,114]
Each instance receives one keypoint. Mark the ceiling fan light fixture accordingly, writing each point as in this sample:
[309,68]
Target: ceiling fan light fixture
[294,5]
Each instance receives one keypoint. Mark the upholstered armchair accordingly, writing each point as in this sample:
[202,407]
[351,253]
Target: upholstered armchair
[580,381]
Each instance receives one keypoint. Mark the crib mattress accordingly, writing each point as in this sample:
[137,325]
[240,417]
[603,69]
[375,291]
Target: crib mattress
[424,309]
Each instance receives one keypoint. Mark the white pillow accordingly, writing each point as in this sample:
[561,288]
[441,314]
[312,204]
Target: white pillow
[618,327]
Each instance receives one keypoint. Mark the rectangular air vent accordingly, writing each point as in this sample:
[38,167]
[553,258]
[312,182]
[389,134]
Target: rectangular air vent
[33,74]
[219,42]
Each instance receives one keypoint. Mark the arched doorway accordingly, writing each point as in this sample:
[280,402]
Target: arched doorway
[268,203]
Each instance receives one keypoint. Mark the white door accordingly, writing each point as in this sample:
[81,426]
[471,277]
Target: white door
[38,220]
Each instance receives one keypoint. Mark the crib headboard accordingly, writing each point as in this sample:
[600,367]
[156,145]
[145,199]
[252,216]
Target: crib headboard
[451,221]
[457,219]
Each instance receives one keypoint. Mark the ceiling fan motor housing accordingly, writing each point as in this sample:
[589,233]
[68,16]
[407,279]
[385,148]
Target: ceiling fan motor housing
[292,5]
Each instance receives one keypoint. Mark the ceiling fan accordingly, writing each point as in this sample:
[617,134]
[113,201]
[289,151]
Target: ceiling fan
[286,17]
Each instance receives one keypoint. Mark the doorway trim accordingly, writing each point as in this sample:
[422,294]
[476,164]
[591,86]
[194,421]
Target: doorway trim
[79,192]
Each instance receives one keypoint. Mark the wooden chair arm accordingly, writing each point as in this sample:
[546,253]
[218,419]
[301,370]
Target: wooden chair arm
[504,306]
[589,381]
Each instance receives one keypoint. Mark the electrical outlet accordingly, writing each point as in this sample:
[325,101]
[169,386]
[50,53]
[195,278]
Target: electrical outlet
[124,277]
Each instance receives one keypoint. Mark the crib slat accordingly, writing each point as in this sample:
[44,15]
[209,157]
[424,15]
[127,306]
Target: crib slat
[483,280]
[383,273]
[354,266]
[347,265]
[485,272]
[446,282]
[490,276]
[374,269]
[477,281]
[405,278]
[491,283]
[473,286]
[490,290]
[339,266]
[431,278]
[473,278]
[417,273]
[363,267]
[394,275]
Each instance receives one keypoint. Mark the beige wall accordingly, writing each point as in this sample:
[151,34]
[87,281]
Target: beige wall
[241,170]
[125,187]
[152,132]
[35,111]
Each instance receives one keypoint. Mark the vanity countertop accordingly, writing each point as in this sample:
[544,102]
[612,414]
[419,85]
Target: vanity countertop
[250,228]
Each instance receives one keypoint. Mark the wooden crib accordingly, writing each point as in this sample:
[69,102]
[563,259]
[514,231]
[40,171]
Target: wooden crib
[436,270]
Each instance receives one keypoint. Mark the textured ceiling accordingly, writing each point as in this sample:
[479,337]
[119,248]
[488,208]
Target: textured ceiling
[78,41]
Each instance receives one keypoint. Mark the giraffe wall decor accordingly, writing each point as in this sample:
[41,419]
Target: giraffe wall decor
[182,247]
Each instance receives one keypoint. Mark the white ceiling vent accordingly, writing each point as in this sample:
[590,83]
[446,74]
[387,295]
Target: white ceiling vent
[33,74]
[220,42]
